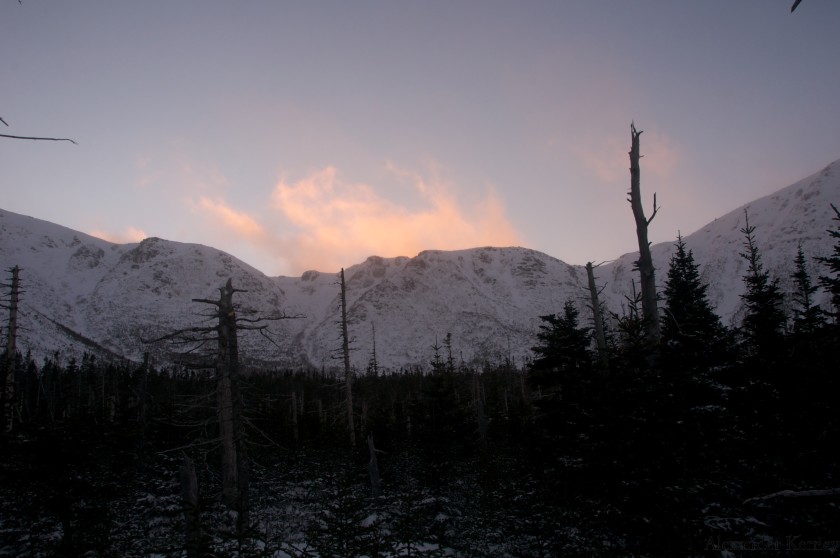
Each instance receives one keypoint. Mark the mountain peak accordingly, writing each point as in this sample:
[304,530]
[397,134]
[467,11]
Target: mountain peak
[87,294]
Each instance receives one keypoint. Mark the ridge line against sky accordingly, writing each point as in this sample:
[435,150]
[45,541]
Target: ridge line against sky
[303,136]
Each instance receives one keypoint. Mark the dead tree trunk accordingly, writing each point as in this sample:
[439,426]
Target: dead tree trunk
[597,317]
[373,468]
[295,429]
[645,263]
[348,374]
[480,416]
[192,514]
[235,484]
[11,354]
[234,457]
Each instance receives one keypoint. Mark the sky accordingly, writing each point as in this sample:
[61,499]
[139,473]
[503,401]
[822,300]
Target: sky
[311,135]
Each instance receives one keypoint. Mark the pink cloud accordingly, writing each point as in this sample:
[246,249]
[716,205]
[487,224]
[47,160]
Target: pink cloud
[339,223]
[239,222]
[328,222]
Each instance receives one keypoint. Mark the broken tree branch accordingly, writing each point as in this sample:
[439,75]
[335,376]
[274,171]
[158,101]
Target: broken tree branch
[36,137]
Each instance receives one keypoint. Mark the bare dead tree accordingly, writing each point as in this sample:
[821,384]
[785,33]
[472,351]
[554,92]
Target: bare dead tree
[235,466]
[10,359]
[597,316]
[229,407]
[480,415]
[192,511]
[650,311]
[348,373]
[373,468]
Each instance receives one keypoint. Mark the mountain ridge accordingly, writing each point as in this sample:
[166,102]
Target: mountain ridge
[79,287]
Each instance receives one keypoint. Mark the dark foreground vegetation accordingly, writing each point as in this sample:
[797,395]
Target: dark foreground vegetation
[496,463]
[709,442]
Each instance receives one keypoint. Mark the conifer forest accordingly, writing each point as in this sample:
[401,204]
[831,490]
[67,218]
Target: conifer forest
[713,440]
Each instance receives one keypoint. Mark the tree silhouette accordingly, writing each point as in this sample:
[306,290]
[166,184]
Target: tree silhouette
[831,281]
[564,345]
[807,316]
[691,329]
[764,322]
[650,312]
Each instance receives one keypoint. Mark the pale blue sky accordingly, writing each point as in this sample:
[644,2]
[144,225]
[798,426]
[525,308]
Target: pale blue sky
[313,134]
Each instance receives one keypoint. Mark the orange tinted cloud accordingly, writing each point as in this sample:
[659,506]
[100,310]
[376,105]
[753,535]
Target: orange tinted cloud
[240,223]
[328,223]
[339,223]
[130,234]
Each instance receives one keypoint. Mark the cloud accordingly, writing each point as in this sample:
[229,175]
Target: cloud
[340,223]
[238,222]
[324,222]
[128,235]
[607,157]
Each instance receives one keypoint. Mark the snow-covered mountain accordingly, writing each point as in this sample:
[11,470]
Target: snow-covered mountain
[85,294]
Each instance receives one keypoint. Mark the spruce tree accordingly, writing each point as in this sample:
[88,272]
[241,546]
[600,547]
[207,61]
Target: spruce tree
[764,322]
[691,329]
[831,281]
[807,316]
[631,348]
[564,345]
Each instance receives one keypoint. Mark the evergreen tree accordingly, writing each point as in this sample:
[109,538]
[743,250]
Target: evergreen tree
[437,362]
[691,329]
[450,359]
[630,326]
[564,345]
[831,282]
[764,322]
[807,316]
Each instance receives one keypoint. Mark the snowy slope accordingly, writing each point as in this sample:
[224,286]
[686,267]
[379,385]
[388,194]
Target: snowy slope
[799,213]
[86,294]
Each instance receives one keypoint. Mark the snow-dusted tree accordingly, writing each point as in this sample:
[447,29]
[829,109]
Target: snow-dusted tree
[647,272]
[764,322]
